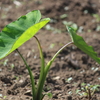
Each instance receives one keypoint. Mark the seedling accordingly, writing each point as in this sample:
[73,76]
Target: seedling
[5,62]
[69,79]
[16,77]
[97,17]
[52,46]
[50,95]
[63,16]
[87,90]
[12,66]
[16,33]
[4,97]
[98,28]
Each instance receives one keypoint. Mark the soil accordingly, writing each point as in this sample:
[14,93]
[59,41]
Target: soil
[71,68]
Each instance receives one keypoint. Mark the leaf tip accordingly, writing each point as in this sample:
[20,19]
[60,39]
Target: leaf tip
[70,28]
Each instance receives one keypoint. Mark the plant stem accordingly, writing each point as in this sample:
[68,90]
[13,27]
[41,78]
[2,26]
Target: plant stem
[31,76]
[50,62]
[89,94]
[40,83]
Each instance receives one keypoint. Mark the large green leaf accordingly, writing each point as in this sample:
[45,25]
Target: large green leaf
[16,33]
[81,44]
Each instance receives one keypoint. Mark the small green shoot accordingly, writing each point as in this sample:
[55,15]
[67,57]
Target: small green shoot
[98,28]
[12,66]
[5,62]
[16,77]
[70,92]
[97,17]
[63,16]
[52,46]
[89,30]
[50,95]
[87,90]
[4,97]
[69,79]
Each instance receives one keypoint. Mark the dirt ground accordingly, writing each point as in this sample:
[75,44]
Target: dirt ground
[72,67]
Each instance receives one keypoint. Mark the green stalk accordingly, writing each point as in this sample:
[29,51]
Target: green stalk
[40,83]
[53,58]
[31,76]
[44,70]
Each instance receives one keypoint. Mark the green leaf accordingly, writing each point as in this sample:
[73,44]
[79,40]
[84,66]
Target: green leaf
[16,33]
[81,44]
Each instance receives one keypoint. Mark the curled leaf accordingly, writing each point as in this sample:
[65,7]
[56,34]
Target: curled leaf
[81,44]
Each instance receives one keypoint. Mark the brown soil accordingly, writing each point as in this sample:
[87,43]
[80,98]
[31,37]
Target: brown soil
[70,64]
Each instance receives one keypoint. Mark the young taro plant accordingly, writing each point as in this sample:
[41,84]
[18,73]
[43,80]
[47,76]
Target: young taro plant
[18,32]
